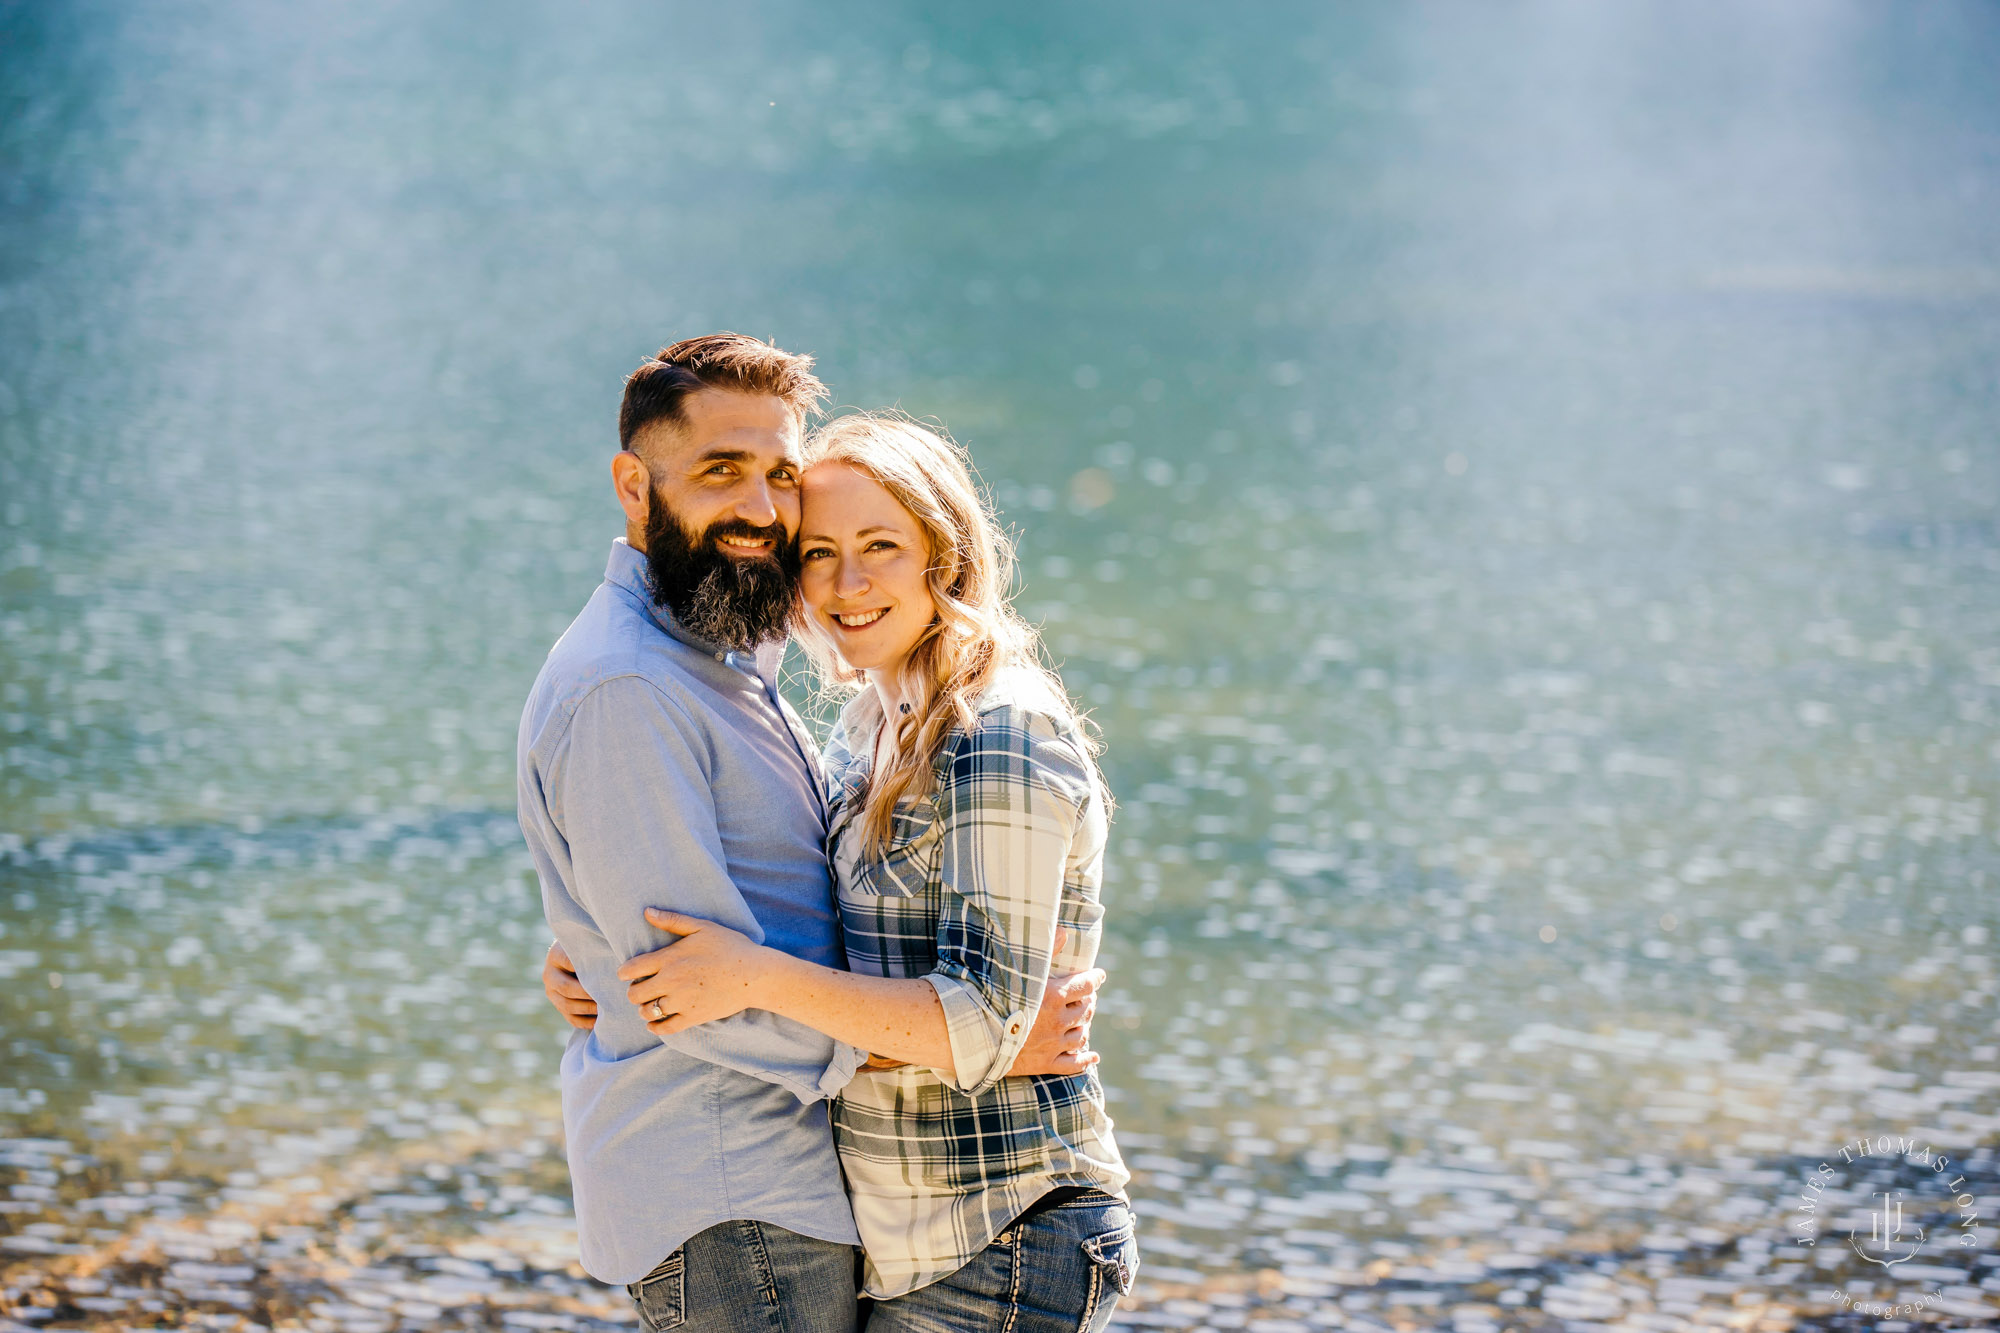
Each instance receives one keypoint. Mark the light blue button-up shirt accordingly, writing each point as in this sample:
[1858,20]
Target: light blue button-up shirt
[657,770]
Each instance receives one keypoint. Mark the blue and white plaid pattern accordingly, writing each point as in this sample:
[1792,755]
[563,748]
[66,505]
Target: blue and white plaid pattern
[978,875]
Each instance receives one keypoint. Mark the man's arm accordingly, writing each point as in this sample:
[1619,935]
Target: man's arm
[628,791]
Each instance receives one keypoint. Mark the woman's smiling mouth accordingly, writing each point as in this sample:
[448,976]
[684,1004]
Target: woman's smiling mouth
[859,619]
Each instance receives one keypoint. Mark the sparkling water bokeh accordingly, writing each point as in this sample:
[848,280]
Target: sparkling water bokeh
[1515,487]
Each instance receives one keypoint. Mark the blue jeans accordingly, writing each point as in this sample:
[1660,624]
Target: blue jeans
[1059,1271]
[751,1277]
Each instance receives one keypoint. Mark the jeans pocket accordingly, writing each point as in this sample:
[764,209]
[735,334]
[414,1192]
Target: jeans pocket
[1114,1263]
[661,1295]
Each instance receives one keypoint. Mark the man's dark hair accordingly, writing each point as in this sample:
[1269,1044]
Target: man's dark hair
[733,361]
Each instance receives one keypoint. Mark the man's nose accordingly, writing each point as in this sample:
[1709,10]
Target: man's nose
[757,505]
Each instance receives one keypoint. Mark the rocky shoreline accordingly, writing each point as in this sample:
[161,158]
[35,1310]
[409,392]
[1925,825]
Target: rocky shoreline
[477,1234]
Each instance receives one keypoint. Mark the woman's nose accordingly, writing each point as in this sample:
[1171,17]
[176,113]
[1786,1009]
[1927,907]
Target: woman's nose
[848,580]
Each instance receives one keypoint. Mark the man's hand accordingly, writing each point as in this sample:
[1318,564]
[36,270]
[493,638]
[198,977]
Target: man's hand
[710,972]
[565,992]
[1059,1043]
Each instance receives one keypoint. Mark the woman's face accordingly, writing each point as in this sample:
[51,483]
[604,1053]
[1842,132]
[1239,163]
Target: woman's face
[862,558]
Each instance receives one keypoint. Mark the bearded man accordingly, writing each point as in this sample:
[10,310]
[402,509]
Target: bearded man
[659,766]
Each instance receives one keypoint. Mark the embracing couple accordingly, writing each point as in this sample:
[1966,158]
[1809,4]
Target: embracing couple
[824,1001]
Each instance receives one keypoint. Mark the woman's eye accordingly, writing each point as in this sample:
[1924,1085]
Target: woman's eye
[815,553]
[881,544]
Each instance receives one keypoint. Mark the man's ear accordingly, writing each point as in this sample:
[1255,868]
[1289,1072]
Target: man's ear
[634,487]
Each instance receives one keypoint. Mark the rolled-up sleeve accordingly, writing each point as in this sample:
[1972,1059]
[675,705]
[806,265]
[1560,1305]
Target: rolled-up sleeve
[627,790]
[1010,802]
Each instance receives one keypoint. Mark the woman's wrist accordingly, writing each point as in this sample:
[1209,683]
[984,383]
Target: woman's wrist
[776,981]
[892,1016]
[773,973]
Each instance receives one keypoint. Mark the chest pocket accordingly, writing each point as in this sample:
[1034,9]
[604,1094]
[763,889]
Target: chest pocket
[905,867]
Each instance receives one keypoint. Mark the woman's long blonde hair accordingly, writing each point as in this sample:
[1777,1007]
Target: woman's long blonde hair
[976,634]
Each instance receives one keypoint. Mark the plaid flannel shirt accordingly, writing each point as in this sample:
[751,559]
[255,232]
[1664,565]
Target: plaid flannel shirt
[979,873]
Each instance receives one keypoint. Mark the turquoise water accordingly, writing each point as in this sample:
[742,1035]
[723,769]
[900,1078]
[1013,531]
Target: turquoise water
[1516,487]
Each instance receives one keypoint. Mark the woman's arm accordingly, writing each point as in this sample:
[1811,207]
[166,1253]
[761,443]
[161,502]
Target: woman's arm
[712,972]
[1016,796]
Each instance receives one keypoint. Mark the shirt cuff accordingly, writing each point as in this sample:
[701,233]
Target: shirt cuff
[847,1060]
[983,1046]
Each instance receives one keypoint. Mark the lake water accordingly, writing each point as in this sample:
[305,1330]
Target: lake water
[1516,486]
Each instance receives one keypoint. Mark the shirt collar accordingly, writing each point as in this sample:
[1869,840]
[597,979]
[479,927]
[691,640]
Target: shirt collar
[860,721]
[626,569]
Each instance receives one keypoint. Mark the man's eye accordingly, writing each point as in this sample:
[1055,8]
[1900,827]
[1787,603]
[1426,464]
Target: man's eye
[786,475]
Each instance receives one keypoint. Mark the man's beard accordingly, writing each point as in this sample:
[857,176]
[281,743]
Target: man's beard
[736,601]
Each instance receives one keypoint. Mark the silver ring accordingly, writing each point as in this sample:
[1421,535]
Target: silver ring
[659,1014]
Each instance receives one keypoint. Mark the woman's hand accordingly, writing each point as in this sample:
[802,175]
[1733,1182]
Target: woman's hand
[565,992]
[710,972]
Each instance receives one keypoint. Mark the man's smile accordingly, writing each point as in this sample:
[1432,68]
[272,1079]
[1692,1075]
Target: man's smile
[731,542]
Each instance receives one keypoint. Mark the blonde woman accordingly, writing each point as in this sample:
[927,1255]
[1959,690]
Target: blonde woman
[967,837]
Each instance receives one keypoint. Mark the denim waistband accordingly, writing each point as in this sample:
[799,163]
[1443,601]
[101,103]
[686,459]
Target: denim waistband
[1057,1197]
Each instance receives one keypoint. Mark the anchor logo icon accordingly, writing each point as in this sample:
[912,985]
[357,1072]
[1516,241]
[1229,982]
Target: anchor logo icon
[1885,1233]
